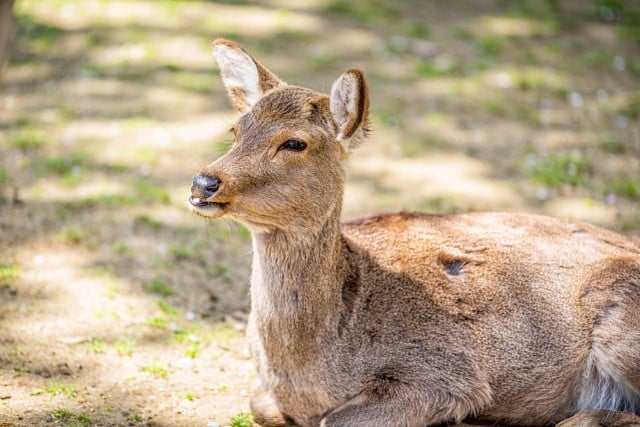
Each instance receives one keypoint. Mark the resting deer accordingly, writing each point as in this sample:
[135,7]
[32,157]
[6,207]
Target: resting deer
[410,319]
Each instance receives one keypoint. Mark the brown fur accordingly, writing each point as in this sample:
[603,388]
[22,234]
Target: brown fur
[411,319]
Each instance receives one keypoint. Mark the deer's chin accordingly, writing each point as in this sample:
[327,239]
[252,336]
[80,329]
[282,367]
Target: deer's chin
[207,209]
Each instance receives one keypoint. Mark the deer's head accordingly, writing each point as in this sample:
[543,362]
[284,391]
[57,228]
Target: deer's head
[284,168]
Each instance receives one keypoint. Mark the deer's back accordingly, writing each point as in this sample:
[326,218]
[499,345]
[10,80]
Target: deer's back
[508,300]
[489,252]
[488,264]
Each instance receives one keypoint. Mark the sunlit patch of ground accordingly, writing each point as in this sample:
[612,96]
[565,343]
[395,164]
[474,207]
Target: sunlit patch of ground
[118,306]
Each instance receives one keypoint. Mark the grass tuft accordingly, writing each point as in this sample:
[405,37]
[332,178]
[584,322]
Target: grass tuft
[26,140]
[7,274]
[625,188]
[156,322]
[557,170]
[166,308]
[56,388]
[243,419]
[61,414]
[156,368]
[96,346]
[124,346]
[160,288]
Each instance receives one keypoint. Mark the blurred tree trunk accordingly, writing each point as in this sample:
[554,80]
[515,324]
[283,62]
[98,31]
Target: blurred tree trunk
[6,28]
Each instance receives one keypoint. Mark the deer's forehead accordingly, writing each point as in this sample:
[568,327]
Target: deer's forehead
[286,106]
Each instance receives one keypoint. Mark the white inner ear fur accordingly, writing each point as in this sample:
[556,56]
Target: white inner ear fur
[238,71]
[343,103]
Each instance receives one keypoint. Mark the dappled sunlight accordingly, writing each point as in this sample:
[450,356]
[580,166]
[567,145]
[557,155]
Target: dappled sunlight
[156,50]
[412,183]
[75,311]
[80,15]
[55,275]
[111,285]
[583,209]
[511,26]
[51,191]
[259,21]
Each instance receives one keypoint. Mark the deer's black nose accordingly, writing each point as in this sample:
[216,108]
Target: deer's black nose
[204,186]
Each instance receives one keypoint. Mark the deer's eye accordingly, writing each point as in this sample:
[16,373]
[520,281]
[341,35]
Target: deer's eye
[292,145]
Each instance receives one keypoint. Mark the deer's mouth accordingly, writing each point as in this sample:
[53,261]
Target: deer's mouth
[207,208]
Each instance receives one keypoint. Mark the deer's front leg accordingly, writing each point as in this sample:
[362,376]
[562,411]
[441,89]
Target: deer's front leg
[266,411]
[601,418]
[401,406]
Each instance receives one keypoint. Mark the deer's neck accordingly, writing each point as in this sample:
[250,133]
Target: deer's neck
[296,287]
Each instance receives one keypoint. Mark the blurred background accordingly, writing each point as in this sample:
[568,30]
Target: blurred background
[119,306]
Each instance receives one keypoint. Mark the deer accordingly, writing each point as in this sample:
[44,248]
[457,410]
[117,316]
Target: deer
[410,319]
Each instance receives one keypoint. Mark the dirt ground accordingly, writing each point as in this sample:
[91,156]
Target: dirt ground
[120,307]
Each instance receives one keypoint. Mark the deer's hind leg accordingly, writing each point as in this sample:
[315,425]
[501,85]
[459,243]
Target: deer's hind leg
[612,373]
[402,405]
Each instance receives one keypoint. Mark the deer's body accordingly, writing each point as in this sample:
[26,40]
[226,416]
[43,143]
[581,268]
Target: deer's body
[409,319]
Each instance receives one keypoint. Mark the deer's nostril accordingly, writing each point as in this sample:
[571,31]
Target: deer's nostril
[205,186]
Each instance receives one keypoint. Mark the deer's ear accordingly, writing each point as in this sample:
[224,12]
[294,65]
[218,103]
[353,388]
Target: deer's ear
[349,103]
[245,79]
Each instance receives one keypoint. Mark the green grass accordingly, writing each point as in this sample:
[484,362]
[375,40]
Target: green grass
[186,336]
[147,221]
[124,346]
[193,350]
[96,346]
[437,68]
[243,419]
[613,146]
[545,81]
[60,165]
[220,388]
[557,170]
[141,155]
[69,236]
[56,388]
[4,177]
[160,288]
[17,352]
[629,189]
[419,30]
[489,45]
[36,36]
[136,418]
[188,395]
[180,252]
[631,109]
[70,418]
[155,368]
[107,313]
[156,322]
[193,82]
[166,308]
[497,106]
[84,418]
[147,191]
[26,140]
[322,61]
[107,200]
[362,12]
[61,414]
[69,169]
[224,335]
[7,274]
